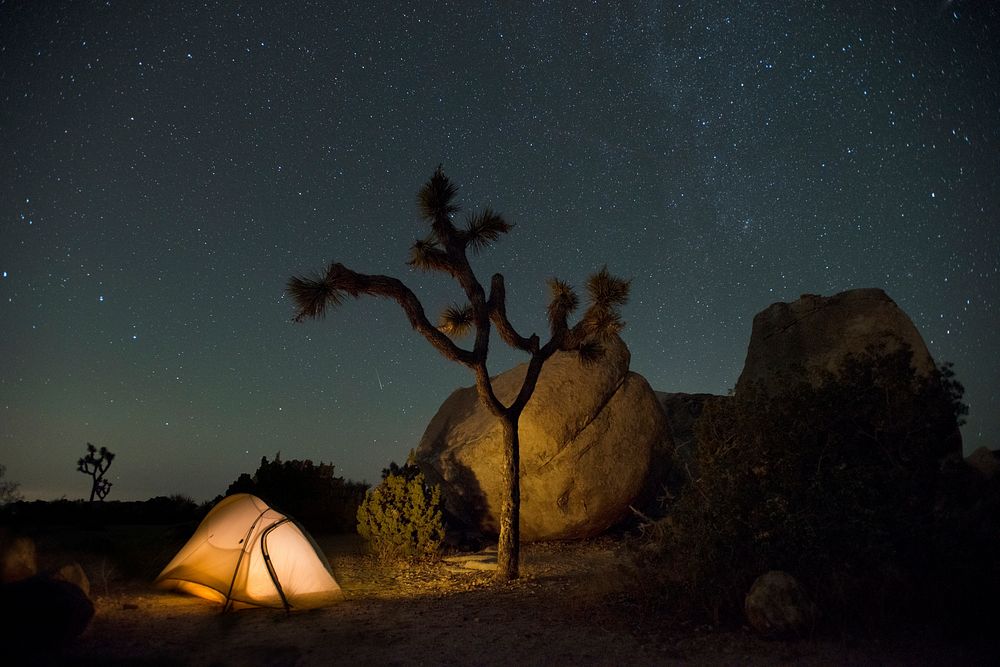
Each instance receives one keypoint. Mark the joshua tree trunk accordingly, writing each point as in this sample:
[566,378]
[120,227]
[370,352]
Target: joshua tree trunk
[508,554]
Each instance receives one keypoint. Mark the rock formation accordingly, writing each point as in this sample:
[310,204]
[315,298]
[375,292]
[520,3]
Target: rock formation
[586,440]
[43,613]
[816,333]
[43,610]
[792,342]
[73,573]
[17,558]
[777,606]
[985,461]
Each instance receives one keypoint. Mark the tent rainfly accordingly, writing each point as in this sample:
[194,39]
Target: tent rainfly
[246,554]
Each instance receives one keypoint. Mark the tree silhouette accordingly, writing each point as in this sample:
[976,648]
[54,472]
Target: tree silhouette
[9,490]
[95,464]
[445,249]
[309,492]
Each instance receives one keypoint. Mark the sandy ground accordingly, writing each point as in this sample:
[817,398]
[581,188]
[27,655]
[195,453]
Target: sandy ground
[570,607]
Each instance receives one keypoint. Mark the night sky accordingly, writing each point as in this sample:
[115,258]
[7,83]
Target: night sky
[167,166]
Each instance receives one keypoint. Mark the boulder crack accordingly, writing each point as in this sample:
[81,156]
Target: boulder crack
[583,428]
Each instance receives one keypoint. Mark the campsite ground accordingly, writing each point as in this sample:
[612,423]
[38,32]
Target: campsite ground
[571,606]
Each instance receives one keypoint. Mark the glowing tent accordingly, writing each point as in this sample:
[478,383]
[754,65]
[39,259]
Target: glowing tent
[245,553]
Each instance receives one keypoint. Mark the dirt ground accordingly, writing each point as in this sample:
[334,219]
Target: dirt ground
[570,607]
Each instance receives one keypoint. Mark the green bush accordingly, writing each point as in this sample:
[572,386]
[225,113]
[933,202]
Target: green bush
[401,518]
[835,482]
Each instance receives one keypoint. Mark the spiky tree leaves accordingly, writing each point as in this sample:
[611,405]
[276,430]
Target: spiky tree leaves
[607,294]
[428,255]
[563,302]
[313,294]
[607,291]
[602,319]
[601,324]
[436,199]
[446,249]
[483,229]
[456,320]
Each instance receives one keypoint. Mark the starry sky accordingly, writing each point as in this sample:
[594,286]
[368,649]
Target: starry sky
[167,166]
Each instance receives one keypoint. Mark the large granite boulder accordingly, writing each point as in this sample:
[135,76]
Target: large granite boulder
[816,333]
[586,440]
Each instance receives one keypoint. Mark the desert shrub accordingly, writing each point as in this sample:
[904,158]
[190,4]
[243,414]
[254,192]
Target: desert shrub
[309,492]
[833,482]
[401,517]
[965,570]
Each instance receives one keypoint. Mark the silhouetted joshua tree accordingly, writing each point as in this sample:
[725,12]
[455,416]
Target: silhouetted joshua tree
[445,250]
[95,464]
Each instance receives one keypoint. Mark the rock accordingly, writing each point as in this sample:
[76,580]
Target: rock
[816,333]
[74,574]
[986,461]
[17,558]
[777,606]
[42,613]
[586,439]
[803,339]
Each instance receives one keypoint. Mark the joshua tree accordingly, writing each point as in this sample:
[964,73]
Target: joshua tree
[445,249]
[95,464]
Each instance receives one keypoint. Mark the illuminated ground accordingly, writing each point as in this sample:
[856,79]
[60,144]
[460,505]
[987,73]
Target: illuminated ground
[570,607]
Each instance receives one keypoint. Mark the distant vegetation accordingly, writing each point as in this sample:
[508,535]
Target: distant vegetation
[310,493]
[161,510]
[845,484]
[8,490]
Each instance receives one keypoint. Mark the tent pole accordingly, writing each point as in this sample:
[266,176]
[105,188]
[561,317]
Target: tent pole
[270,567]
[239,561]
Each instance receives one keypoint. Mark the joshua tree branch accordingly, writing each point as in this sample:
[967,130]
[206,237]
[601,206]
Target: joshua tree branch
[466,278]
[531,378]
[484,388]
[498,315]
[341,280]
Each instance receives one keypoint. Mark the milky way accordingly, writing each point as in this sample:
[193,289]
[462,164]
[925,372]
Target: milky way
[167,166]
